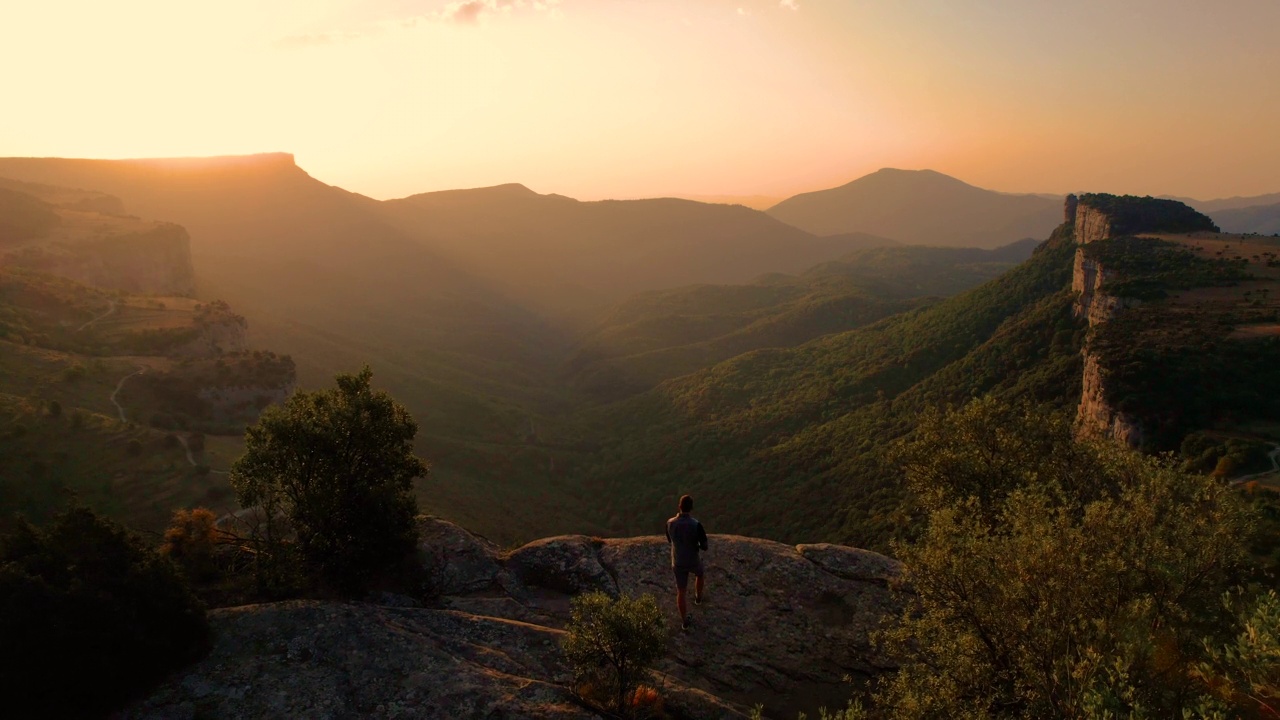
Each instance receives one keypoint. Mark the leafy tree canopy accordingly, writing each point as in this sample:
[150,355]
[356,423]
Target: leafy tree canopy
[90,616]
[1131,214]
[339,465]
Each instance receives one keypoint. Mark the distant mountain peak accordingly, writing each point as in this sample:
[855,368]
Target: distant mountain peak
[505,191]
[923,207]
[909,176]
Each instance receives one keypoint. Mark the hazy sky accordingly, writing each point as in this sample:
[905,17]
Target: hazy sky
[627,98]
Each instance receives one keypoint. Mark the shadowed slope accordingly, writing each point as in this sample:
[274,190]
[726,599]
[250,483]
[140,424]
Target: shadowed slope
[328,279]
[570,259]
[792,443]
[1264,219]
[665,334]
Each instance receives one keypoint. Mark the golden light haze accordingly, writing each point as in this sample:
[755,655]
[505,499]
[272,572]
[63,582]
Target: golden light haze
[622,98]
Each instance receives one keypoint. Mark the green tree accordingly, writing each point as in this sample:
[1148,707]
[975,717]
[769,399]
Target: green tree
[191,541]
[1246,670]
[613,643]
[339,465]
[1056,578]
[90,616]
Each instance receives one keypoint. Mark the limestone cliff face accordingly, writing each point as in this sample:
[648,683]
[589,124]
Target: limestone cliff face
[151,260]
[780,625]
[234,401]
[217,336]
[1096,414]
[219,331]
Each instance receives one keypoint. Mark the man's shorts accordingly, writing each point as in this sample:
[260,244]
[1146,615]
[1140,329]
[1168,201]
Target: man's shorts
[682,574]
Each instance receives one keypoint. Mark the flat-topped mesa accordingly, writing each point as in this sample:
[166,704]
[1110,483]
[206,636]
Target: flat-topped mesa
[1098,217]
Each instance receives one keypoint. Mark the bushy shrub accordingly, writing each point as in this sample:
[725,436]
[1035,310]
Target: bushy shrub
[1245,672]
[612,644]
[89,617]
[1056,579]
[190,541]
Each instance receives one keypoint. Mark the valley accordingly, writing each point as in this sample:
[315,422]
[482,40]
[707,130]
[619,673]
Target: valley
[457,301]
[546,388]
[636,360]
[787,396]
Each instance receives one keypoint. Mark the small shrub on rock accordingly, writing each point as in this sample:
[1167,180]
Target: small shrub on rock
[612,644]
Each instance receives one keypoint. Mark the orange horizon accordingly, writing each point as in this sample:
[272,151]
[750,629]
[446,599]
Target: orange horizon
[611,99]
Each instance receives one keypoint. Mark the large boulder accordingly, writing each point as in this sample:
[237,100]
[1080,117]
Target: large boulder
[569,564]
[456,561]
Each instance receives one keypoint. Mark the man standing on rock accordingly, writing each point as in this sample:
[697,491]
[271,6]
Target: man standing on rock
[687,537]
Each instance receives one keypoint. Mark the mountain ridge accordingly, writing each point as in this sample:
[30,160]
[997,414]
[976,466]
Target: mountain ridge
[921,207]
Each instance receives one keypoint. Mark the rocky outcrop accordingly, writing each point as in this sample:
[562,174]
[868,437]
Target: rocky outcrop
[780,625]
[328,660]
[1092,303]
[1091,224]
[1096,415]
[154,260]
[218,331]
[229,335]
[237,401]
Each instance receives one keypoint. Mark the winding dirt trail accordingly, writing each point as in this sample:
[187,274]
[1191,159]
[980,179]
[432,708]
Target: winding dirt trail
[111,308]
[119,387]
[186,446]
[1273,456]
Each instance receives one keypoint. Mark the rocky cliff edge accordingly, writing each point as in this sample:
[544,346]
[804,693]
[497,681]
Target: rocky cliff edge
[781,626]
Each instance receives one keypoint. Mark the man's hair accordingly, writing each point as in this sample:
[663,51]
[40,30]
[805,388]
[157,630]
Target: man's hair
[686,503]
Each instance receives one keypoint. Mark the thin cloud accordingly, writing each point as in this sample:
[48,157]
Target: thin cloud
[471,12]
[789,4]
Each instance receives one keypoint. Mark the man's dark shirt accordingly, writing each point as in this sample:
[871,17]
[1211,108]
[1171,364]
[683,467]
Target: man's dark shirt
[686,537]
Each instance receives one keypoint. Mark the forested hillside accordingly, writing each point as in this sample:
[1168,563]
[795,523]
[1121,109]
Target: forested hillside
[440,295]
[110,374]
[661,335]
[796,443]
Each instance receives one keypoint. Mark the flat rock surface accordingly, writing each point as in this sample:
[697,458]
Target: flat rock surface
[780,625]
[331,661]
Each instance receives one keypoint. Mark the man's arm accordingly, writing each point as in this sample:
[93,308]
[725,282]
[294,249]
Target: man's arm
[702,537]
[668,532]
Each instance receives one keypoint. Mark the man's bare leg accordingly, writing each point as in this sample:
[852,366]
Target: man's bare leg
[697,591]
